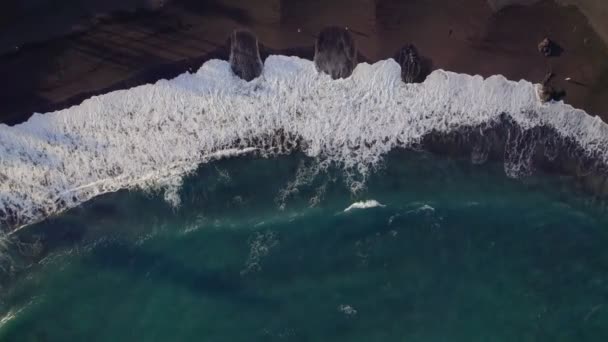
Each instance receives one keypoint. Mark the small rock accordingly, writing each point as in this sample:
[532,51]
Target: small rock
[245,60]
[545,47]
[335,52]
[411,65]
[547,93]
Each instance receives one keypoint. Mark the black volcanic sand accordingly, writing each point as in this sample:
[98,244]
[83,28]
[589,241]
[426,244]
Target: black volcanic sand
[77,52]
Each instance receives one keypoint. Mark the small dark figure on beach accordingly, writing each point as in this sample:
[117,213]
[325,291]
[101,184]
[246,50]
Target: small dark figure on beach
[335,52]
[411,64]
[245,60]
[549,48]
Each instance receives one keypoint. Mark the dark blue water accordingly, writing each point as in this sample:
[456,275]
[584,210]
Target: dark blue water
[262,250]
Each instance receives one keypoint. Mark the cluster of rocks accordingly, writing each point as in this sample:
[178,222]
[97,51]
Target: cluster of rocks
[335,54]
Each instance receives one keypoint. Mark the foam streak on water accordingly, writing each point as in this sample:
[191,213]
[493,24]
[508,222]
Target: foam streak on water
[151,135]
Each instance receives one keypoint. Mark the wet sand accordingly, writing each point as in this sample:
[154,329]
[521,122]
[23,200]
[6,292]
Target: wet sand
[61,66]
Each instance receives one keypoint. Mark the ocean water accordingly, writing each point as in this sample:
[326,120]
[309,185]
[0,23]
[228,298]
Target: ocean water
[276,249]
[296,207]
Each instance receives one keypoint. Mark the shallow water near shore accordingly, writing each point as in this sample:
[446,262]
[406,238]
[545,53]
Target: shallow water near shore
[432,249]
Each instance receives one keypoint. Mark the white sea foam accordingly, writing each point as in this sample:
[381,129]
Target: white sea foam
[152,135]
[423,208]
[364,205]
[13,313]
[9,316]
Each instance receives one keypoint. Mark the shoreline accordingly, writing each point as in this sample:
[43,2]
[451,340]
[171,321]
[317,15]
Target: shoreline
[131,147]
[123,51]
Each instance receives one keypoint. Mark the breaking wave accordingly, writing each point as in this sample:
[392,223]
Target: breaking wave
[150,136]
[364,205]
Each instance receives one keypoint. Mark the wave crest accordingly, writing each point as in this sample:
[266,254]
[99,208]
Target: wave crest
[364,205]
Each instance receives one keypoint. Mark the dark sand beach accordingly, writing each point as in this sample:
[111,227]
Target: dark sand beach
[68,55]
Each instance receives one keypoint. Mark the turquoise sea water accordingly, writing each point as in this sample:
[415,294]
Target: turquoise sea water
[262,250]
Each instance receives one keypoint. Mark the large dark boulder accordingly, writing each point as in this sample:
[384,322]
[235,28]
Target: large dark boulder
[245,59]
[335,52]
[411,64]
